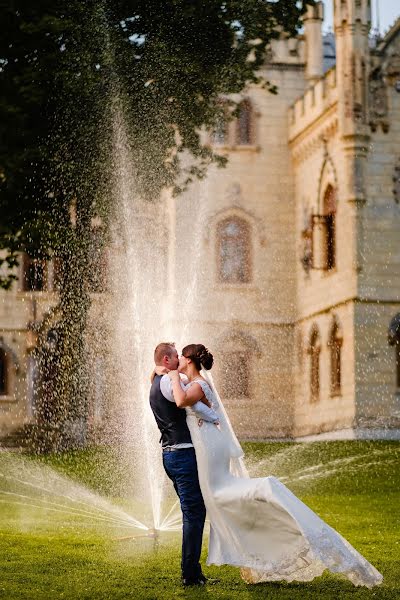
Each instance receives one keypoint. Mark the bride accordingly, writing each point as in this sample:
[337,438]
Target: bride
[256,524]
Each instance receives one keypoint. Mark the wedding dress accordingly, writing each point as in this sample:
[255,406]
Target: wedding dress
[258,524]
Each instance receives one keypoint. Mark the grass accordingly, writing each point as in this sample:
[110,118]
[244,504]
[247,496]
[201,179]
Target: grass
[46,554]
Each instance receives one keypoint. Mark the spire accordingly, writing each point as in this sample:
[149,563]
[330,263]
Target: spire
[378,17]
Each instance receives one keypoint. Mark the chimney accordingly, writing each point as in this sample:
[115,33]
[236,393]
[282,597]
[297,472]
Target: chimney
[313,33]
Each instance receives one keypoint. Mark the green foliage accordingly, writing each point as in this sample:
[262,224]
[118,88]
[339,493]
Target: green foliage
[51,556]
[63,64]
[68,69]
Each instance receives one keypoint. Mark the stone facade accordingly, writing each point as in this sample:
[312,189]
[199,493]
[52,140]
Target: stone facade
[299,328]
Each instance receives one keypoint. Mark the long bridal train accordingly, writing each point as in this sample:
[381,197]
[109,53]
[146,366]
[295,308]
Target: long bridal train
[258,524]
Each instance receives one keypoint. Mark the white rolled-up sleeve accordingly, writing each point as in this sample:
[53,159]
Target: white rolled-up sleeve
[166,388]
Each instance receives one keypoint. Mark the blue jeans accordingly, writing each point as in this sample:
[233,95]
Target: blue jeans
[181,468]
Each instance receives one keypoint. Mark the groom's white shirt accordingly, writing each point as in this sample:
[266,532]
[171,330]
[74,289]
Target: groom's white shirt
[202,410]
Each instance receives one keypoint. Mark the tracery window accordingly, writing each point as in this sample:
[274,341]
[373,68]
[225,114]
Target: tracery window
[234,132]
[244,124]
[335,346]
[234,250]
[314,352]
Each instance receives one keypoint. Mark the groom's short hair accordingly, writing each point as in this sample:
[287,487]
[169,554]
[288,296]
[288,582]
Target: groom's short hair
[163,349]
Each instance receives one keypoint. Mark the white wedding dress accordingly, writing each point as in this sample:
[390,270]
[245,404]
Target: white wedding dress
[258,524]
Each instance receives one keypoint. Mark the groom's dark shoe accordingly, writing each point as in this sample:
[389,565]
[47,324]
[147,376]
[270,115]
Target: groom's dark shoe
[191,582]
[200,581]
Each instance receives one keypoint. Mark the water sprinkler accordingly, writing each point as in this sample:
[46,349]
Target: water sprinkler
[151,533]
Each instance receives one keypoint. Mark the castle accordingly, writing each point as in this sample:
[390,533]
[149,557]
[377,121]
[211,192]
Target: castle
[298,240]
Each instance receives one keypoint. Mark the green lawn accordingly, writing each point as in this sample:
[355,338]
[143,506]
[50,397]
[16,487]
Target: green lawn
[58,543]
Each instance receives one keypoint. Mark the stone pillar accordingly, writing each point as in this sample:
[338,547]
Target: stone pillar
[313,33]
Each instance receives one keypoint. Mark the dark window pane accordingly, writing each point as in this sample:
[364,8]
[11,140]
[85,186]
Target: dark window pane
[330,234]
[3,373]
[34,274]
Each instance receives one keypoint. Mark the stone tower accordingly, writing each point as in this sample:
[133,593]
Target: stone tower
[352,21]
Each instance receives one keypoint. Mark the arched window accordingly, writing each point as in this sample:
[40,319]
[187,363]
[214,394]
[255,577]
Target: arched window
[314,352]
[394,340]
[329,208]
[234,250]
[324,233]
[220,134]
[234,366]
[235,374]
[4,373]
[35,274]
[244,124]
[335,346]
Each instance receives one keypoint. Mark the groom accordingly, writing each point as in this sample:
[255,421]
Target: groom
[179,462]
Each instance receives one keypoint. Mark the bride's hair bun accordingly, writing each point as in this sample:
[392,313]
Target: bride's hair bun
[200,355]
[205,356]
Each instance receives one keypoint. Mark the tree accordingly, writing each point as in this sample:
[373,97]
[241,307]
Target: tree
[63,66]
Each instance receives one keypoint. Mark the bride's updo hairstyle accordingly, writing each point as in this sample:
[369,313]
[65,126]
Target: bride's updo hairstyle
[200,355]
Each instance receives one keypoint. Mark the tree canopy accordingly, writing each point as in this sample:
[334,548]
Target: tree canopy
[64,64]
[68,70]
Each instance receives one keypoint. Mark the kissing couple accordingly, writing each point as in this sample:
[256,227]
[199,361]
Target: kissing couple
[255,524]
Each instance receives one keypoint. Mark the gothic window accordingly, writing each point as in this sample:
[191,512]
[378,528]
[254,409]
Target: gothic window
[335,346]
[244,125]
[235,374]
[324,233]
[34,274]
[314,352]
[394,340]
[234,250]
[236,132]
[330,215]
[220,134]
[4,372]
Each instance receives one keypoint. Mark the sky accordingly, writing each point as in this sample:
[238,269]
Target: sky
[389,10]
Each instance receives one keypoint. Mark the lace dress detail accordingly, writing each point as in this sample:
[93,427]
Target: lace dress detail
[259,524]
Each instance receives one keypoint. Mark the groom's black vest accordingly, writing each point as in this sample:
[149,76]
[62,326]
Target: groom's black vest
[170,419]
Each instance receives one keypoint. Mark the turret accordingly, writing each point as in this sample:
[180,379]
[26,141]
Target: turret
[352,20]
[313,34]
